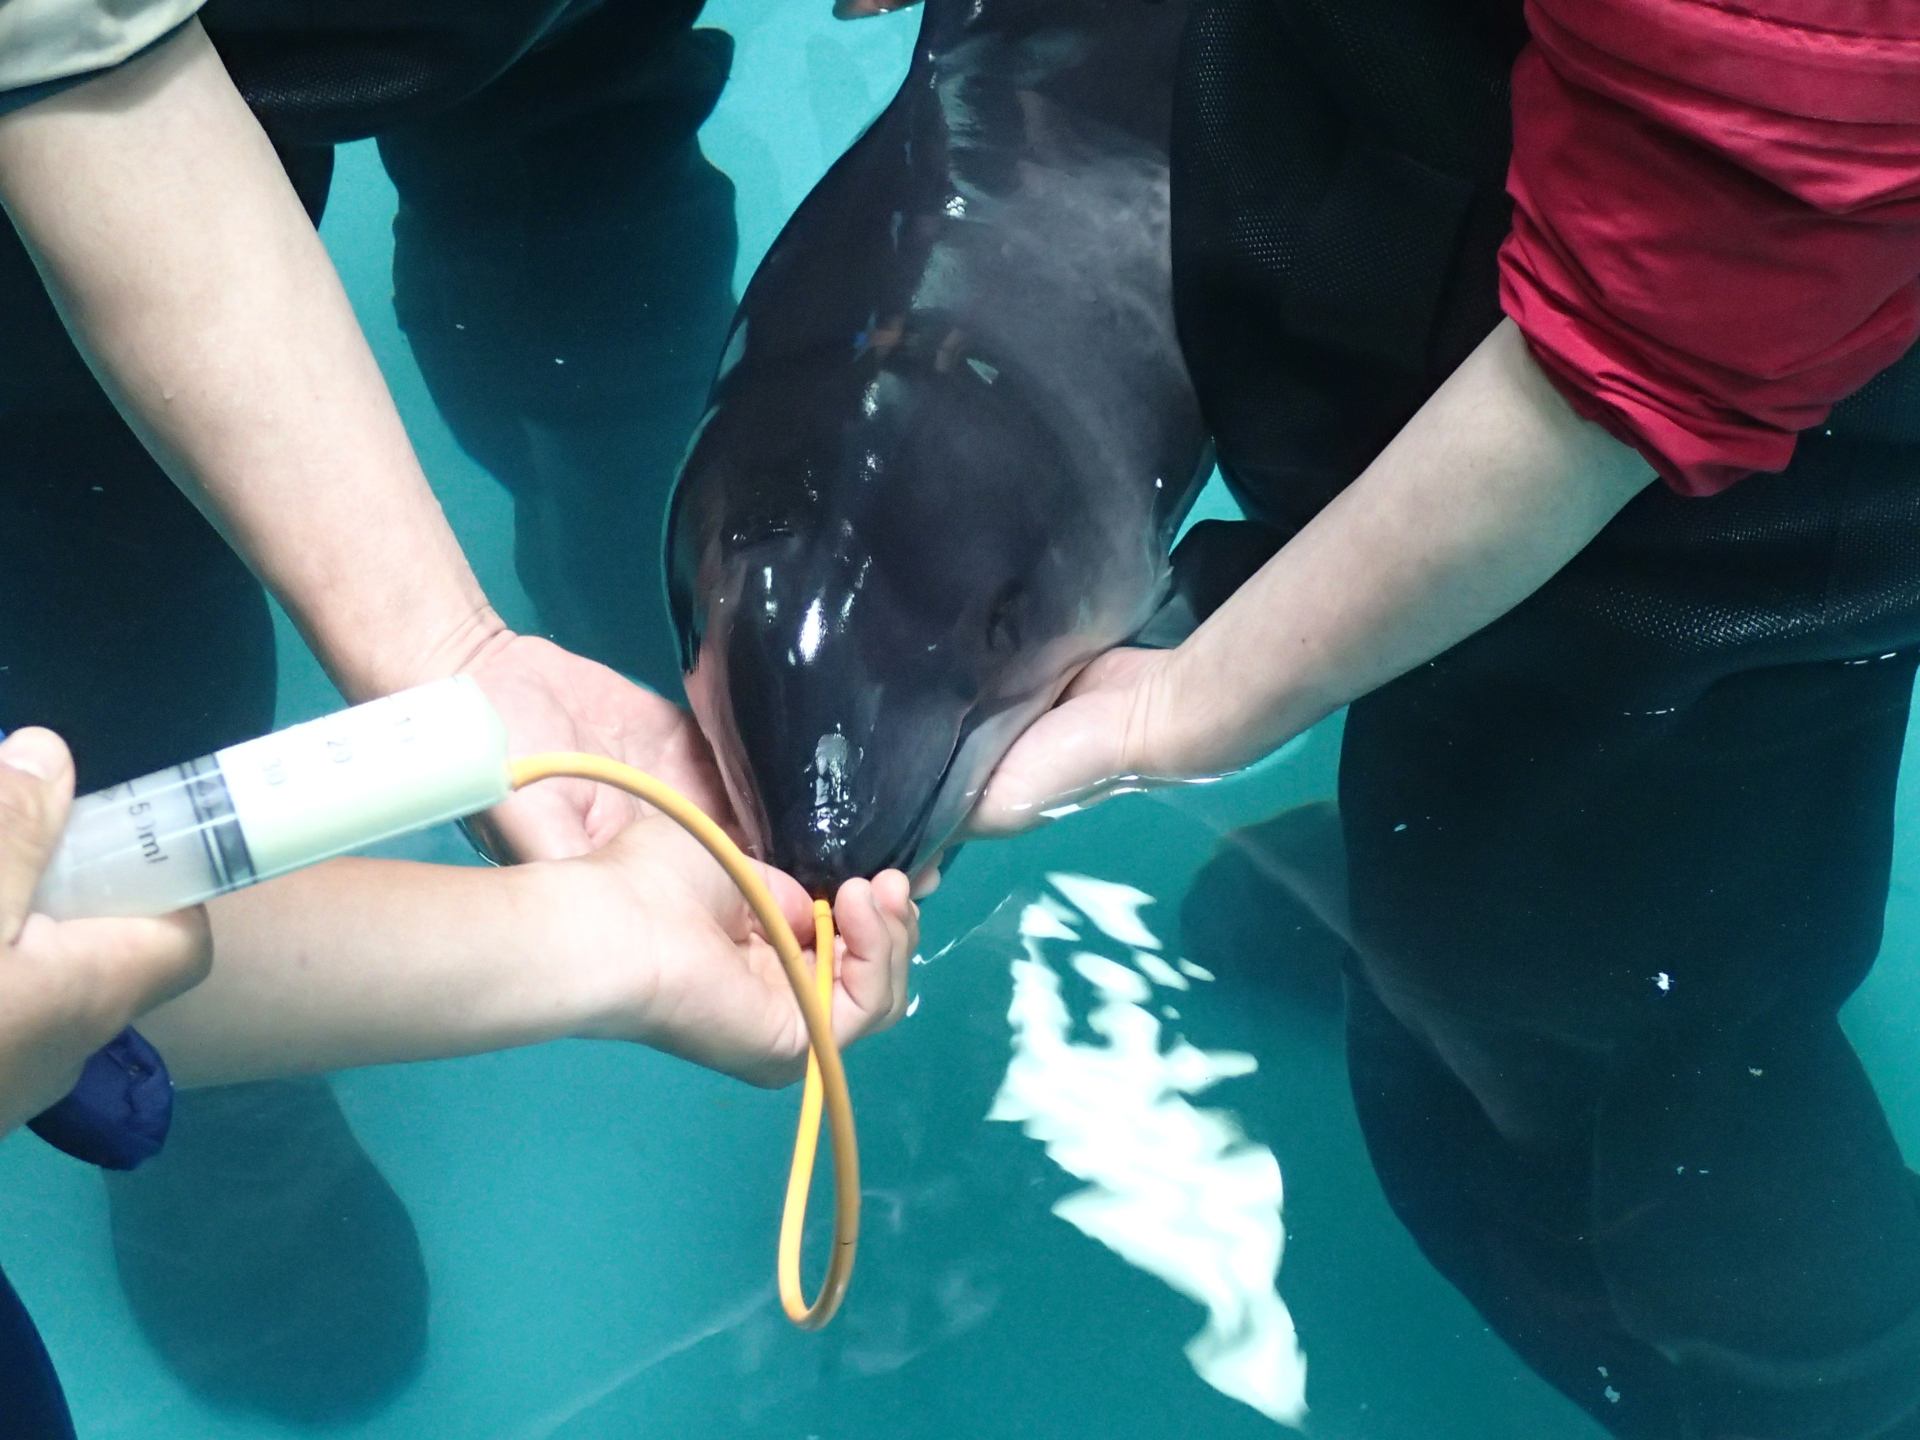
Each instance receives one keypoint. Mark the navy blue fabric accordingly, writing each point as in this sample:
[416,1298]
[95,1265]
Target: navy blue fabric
[31,1405]
[118,1114]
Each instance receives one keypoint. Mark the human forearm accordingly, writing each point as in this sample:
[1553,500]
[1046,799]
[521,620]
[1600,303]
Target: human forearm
[1492,488]
[193,280]
[189,273]
[1486,493]
[369,962]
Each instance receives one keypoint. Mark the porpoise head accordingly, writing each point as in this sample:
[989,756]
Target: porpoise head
[881,570]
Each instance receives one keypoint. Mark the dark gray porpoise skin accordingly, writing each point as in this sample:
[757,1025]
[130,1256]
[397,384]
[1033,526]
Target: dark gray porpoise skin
[951,439]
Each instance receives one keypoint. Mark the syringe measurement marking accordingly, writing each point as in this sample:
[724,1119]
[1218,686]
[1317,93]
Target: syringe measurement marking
[150,849]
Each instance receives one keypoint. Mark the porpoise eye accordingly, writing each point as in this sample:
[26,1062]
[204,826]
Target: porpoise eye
[1003,618]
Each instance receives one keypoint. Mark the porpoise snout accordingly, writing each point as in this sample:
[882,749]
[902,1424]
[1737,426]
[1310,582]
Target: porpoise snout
[835,743]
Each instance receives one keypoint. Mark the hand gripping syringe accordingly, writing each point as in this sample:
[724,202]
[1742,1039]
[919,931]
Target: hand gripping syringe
[286,800]
[314,791]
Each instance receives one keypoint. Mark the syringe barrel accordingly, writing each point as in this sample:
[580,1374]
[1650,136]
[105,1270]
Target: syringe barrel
[289,799]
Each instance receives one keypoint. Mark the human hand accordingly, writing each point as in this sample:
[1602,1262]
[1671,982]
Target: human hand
[1106,735]
[552,699]
[678,962]
[1110,732]
[1077,754]
[67,988]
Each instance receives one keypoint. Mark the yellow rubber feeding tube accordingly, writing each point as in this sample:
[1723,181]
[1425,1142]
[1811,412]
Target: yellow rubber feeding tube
[826,1078]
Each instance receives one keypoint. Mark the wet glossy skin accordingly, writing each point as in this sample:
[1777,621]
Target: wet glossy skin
[951,440]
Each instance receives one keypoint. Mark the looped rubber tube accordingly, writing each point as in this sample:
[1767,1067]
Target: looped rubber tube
[826,1078]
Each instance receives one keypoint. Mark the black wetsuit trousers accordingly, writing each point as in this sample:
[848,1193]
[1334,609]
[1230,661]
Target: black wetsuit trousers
[1616,861]
[1614,864]
[563,265]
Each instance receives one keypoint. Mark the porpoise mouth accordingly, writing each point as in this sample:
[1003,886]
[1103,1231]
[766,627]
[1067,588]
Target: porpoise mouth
[908,852]
[823,843]
[935,798]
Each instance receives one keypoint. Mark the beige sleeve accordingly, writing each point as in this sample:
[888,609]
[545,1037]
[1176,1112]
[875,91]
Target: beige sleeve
[43,40]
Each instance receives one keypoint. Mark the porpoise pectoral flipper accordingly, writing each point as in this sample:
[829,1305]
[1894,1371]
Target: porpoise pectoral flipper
[951,439]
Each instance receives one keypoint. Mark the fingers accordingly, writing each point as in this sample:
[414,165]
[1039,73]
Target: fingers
[162,958]
[36,787]
[134,965]
[553,700]
[927,879]
[788,893]
[68,988]
[881,927]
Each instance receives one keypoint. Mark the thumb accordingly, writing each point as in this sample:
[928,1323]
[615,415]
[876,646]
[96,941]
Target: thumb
[880,926]
[792,899]
[716,889]
[36,789]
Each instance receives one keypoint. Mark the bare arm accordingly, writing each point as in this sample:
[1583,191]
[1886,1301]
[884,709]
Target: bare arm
[367,962]
[1492,487]
[192,279]
[190,276]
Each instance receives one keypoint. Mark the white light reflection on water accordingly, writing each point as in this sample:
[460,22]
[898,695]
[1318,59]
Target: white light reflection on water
[1180,1192]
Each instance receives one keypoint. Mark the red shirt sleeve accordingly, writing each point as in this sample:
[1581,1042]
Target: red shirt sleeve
[1717,217]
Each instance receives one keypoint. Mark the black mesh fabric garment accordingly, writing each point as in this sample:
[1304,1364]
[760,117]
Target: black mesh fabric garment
[130,627]
[321,74]
[1338,169]
[563,253]
[563,268]
[1615,861]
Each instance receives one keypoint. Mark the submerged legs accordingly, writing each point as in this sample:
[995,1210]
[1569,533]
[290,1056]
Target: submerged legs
[1615,864]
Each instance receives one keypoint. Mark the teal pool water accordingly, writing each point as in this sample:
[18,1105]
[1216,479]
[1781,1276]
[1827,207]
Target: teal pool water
[598,1221]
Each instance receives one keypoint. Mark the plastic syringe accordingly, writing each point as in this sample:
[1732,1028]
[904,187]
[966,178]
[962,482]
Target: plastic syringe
[313,791]
[289,799]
